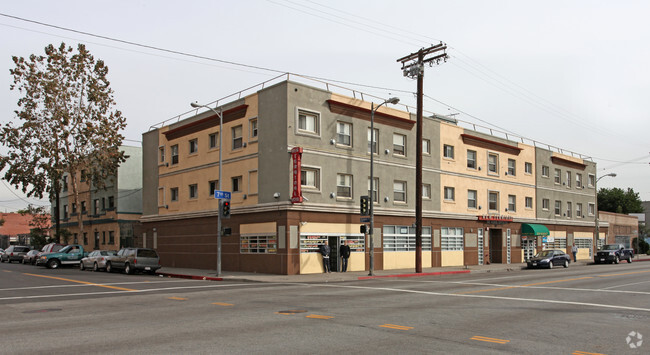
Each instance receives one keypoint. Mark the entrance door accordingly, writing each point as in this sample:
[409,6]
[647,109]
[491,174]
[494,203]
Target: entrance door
[480,246]
[334,243]
[496,246]
[529,248]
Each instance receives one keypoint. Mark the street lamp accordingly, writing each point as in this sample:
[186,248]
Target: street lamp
[392,100]
[220,114]
[597,234]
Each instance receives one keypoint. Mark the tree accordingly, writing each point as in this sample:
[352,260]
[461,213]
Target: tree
[618,201]
[69,125]
[41,223]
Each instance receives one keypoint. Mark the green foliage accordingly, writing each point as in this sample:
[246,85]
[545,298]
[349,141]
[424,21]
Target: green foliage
[68,121]
[40,222]
[640,246]
[619,201]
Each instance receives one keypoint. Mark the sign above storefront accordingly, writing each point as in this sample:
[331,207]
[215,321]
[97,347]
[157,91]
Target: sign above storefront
[494,219]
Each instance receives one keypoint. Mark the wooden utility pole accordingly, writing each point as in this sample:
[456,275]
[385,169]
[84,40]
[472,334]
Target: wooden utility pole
[413,66]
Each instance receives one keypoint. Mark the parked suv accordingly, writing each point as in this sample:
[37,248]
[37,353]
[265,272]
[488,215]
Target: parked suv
[134,259]
[14,253]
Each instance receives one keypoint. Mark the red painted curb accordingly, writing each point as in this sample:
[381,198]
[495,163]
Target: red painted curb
[191,277]
[415,275]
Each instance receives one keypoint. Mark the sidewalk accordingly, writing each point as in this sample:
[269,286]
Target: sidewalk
[200,274]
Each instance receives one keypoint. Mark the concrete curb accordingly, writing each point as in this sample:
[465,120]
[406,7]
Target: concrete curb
[192,277]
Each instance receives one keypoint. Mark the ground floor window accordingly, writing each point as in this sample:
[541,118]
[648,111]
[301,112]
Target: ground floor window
[402,238]
[310,243]
[451,238]
[258,244]
[557,243]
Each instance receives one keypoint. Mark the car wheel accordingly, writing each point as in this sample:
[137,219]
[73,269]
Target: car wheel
[23,261]
[95,267]
[566,264]
[550,264]
[127,269]
[629,259]
[109,267]
[53,264]
[617,260]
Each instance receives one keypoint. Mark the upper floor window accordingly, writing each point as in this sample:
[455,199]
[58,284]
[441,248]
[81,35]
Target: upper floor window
[493,163]
[237,139]
[237,184]
[591,208]
[426,191]
[96,206]
[174,152]
[450,193]
[372,140]
[578,209]
[253,127]
[82,177]
[161,154]
[426,146]
[558,208]
[512,167]
[111,202]
[569,209]
[493,201]
[529,202]
[344,134]
[546,204]
[592,180]
[310,178]
[558,176]
[65,183]
[579,180]
[173,192]
[194,145]
[471,159]
[83,207]
[568,179]
[194,191]
[448,151]
[399,144]
[472,197]
[344,185]
[308,122]
[214,140]
[214,185]
[65,211]
[373,190]
[546,171]
[512,203]
[528,168]
[399,191]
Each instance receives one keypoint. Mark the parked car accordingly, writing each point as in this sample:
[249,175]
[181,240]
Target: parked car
[549,259]
[30,257]
[96,260]
[613,253]
[49,248]
[14,253]
[68,255]
[134,259]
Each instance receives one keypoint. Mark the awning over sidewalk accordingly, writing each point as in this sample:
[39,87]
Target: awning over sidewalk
[534,229]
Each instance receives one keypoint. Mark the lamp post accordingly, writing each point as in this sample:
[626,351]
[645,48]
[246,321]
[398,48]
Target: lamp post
[597,234]
[392,100]
[220,114]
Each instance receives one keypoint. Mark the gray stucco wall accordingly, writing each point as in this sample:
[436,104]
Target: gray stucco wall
[150,173]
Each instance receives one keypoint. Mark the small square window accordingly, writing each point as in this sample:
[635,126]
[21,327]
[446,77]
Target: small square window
[471,198]
[399,144]
[174,193]
[471,159]
[545,171]
[512,167]
[512,203]
[546,204]
[214,185]
[493,201]
[344,185]
[310,178]
[253,127]
[529,202]
[194,145]
[308,122]
[399,191]
[344,134]
[450,193]
[493,163]
[237,184]
[528,168]
[558,176]
[174,149]
[194,191]
[426,146]
[448,151]
[558,208]
[237,139]
[426,191]
[214,140]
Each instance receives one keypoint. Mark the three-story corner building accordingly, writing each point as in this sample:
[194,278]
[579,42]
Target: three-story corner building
[109,215]
[297,160]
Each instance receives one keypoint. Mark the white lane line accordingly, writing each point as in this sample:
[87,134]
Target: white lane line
[598,305]
[547,287]
[137,291]
[635,283]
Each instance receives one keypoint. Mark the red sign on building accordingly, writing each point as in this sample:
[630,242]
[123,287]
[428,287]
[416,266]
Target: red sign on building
[296,155]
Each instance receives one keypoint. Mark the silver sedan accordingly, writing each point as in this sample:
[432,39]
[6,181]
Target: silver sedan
[96,260]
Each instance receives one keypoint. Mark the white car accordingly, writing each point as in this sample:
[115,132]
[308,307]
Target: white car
[96,260]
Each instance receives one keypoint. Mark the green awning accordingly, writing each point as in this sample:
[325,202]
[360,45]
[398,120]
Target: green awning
[534,229]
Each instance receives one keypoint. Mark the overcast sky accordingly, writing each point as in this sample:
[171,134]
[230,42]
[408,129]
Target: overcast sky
[571,74]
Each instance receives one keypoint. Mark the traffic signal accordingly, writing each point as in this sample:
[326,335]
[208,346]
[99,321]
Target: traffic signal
[365,205]
[363,229]
[224,211]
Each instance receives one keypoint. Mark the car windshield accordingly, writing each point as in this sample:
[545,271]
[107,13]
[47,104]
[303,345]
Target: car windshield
[544,253]
[610,247]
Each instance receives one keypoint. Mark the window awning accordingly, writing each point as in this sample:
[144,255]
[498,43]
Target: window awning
[534,229]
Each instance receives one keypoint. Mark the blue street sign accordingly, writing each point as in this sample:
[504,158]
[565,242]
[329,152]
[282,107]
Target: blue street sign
[365,220]
[222,194]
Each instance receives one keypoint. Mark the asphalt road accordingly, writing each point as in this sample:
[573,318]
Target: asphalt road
[580,310]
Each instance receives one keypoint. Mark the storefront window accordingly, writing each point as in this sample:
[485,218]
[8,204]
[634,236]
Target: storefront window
[258,244]
[402,238]
[309,243]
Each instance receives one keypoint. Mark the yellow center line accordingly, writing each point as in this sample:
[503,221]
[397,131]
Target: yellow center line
[82,282]
[223,304]
[177,298]
[578,352]
[556,281]
[395,326]
[316,316]
[6,271]
[490,340]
